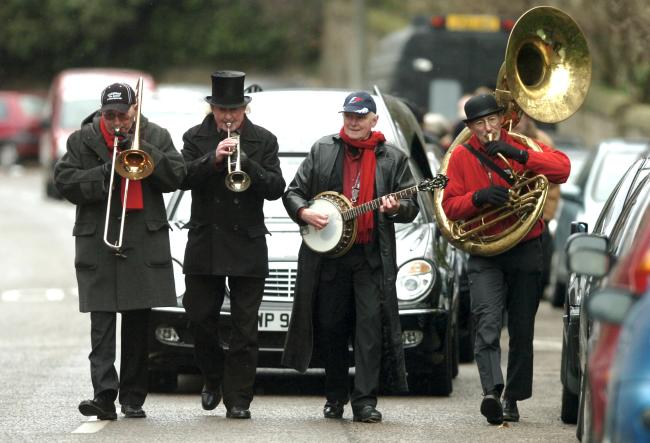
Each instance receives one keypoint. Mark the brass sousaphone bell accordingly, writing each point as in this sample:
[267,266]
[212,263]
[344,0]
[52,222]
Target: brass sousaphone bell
[546,74]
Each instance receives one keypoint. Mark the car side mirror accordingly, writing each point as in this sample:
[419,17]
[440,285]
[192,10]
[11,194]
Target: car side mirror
[587,254]
[610,305]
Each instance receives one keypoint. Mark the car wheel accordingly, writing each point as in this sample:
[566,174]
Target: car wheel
[162,381]
[569,413]
[439,380]
[559,294]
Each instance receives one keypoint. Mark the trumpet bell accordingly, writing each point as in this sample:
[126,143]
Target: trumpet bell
[134,164]
[548,64]
[238,181]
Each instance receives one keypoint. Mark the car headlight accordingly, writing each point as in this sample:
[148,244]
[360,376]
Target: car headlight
[414,279]
[179,278]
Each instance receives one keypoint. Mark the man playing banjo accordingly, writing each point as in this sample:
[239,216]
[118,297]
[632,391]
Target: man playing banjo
[352,294]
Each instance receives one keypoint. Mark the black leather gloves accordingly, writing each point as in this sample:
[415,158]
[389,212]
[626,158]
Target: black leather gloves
[503,148]
[494,195]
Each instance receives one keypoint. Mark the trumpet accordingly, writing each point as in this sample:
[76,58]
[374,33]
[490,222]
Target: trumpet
[131,164]
[236,179]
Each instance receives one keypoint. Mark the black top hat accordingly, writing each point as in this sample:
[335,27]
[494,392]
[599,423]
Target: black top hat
[228,90]
[480,106]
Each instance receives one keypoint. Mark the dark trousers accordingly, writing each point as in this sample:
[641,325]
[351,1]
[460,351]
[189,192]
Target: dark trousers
[133,379]
[348,304]
[510,281]
[233,371]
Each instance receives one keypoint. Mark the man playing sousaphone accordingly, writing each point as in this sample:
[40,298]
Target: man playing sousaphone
[480,174]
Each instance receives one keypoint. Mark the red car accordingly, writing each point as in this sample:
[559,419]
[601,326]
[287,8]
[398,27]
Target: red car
[630,242]
[20,125]
[74,94]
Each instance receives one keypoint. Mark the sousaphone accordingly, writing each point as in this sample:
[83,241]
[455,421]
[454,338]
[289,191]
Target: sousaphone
[546,74]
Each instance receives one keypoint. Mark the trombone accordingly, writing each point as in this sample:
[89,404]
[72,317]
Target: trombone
[131,164]
[236,180]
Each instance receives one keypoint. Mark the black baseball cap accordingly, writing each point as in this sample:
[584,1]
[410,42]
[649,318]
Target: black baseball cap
[359,103]
[117,97]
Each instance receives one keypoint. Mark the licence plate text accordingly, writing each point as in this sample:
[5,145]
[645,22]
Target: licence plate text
[273,320]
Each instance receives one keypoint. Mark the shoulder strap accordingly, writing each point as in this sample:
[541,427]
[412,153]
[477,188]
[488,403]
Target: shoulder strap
[490,164]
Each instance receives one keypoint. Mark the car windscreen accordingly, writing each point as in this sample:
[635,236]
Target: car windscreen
[74,111]
[610,171]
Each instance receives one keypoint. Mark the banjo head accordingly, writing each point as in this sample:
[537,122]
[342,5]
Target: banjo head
[333,239]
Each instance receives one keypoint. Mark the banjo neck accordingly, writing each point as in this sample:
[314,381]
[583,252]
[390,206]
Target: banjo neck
[356,211]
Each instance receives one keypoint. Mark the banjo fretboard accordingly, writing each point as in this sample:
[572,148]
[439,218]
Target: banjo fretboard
[374,204]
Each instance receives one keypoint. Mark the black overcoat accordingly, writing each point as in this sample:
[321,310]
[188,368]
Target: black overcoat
[142,276]
[227,234]
[316,174]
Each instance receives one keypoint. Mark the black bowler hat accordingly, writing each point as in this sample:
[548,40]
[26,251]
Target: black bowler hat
[228,90]
[480,106]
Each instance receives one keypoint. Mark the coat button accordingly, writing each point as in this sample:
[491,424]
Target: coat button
[216,200]
[235,227]
[235,201]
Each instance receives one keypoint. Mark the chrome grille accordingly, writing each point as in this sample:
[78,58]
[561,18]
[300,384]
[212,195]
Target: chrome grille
[281,281]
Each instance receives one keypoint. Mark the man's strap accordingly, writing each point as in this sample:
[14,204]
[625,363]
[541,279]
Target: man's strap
[490,164]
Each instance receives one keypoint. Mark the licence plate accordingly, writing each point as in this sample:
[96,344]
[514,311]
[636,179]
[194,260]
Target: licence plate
[273,320]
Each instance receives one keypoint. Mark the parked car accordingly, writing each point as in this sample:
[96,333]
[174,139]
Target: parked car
[177,107]
[567,211]
[626,418]
[74,94]
[618,225]
[584,198]
[20,125]
[427,279]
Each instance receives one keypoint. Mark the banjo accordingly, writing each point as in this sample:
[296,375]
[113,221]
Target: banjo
[339,235]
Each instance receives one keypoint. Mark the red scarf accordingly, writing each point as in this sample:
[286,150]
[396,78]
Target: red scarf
[365,222]
[134,199]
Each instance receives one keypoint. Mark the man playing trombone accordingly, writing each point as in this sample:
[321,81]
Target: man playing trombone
[232,167]
[136,275]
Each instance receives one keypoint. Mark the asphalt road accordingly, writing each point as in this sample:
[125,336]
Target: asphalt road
[44,343]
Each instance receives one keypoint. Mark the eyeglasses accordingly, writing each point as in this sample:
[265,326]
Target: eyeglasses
[492,120]
[111,115]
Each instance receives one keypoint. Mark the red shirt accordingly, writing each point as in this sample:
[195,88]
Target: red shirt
[467,175]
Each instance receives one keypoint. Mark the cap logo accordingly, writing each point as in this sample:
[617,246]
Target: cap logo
[355,100]
[114,96]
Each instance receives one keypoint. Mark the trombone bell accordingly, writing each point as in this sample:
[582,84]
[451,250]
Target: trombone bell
[134,164]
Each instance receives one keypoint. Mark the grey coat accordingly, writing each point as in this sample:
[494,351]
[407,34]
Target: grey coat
[142,276]
[316,174]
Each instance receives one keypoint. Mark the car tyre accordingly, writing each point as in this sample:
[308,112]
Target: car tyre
[466,329]
[439,381]
[163,381]
[570,403]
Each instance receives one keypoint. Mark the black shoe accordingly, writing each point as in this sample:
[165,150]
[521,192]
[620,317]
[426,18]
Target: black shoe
[238,412]
[103,410]
[210,398]
[510,410]
[491,409]
[367,414]
[133,411]
[333,409]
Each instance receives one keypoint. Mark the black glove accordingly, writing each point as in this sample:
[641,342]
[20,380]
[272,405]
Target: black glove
[503,148]
[494,195]
[126,142]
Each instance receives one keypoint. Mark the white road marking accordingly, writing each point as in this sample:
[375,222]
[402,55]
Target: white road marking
[54,294]
[91,426]
[36,295]
[547,345]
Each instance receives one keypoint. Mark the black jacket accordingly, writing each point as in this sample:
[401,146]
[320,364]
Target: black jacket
[226,229]
[322,171]
[143,277]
